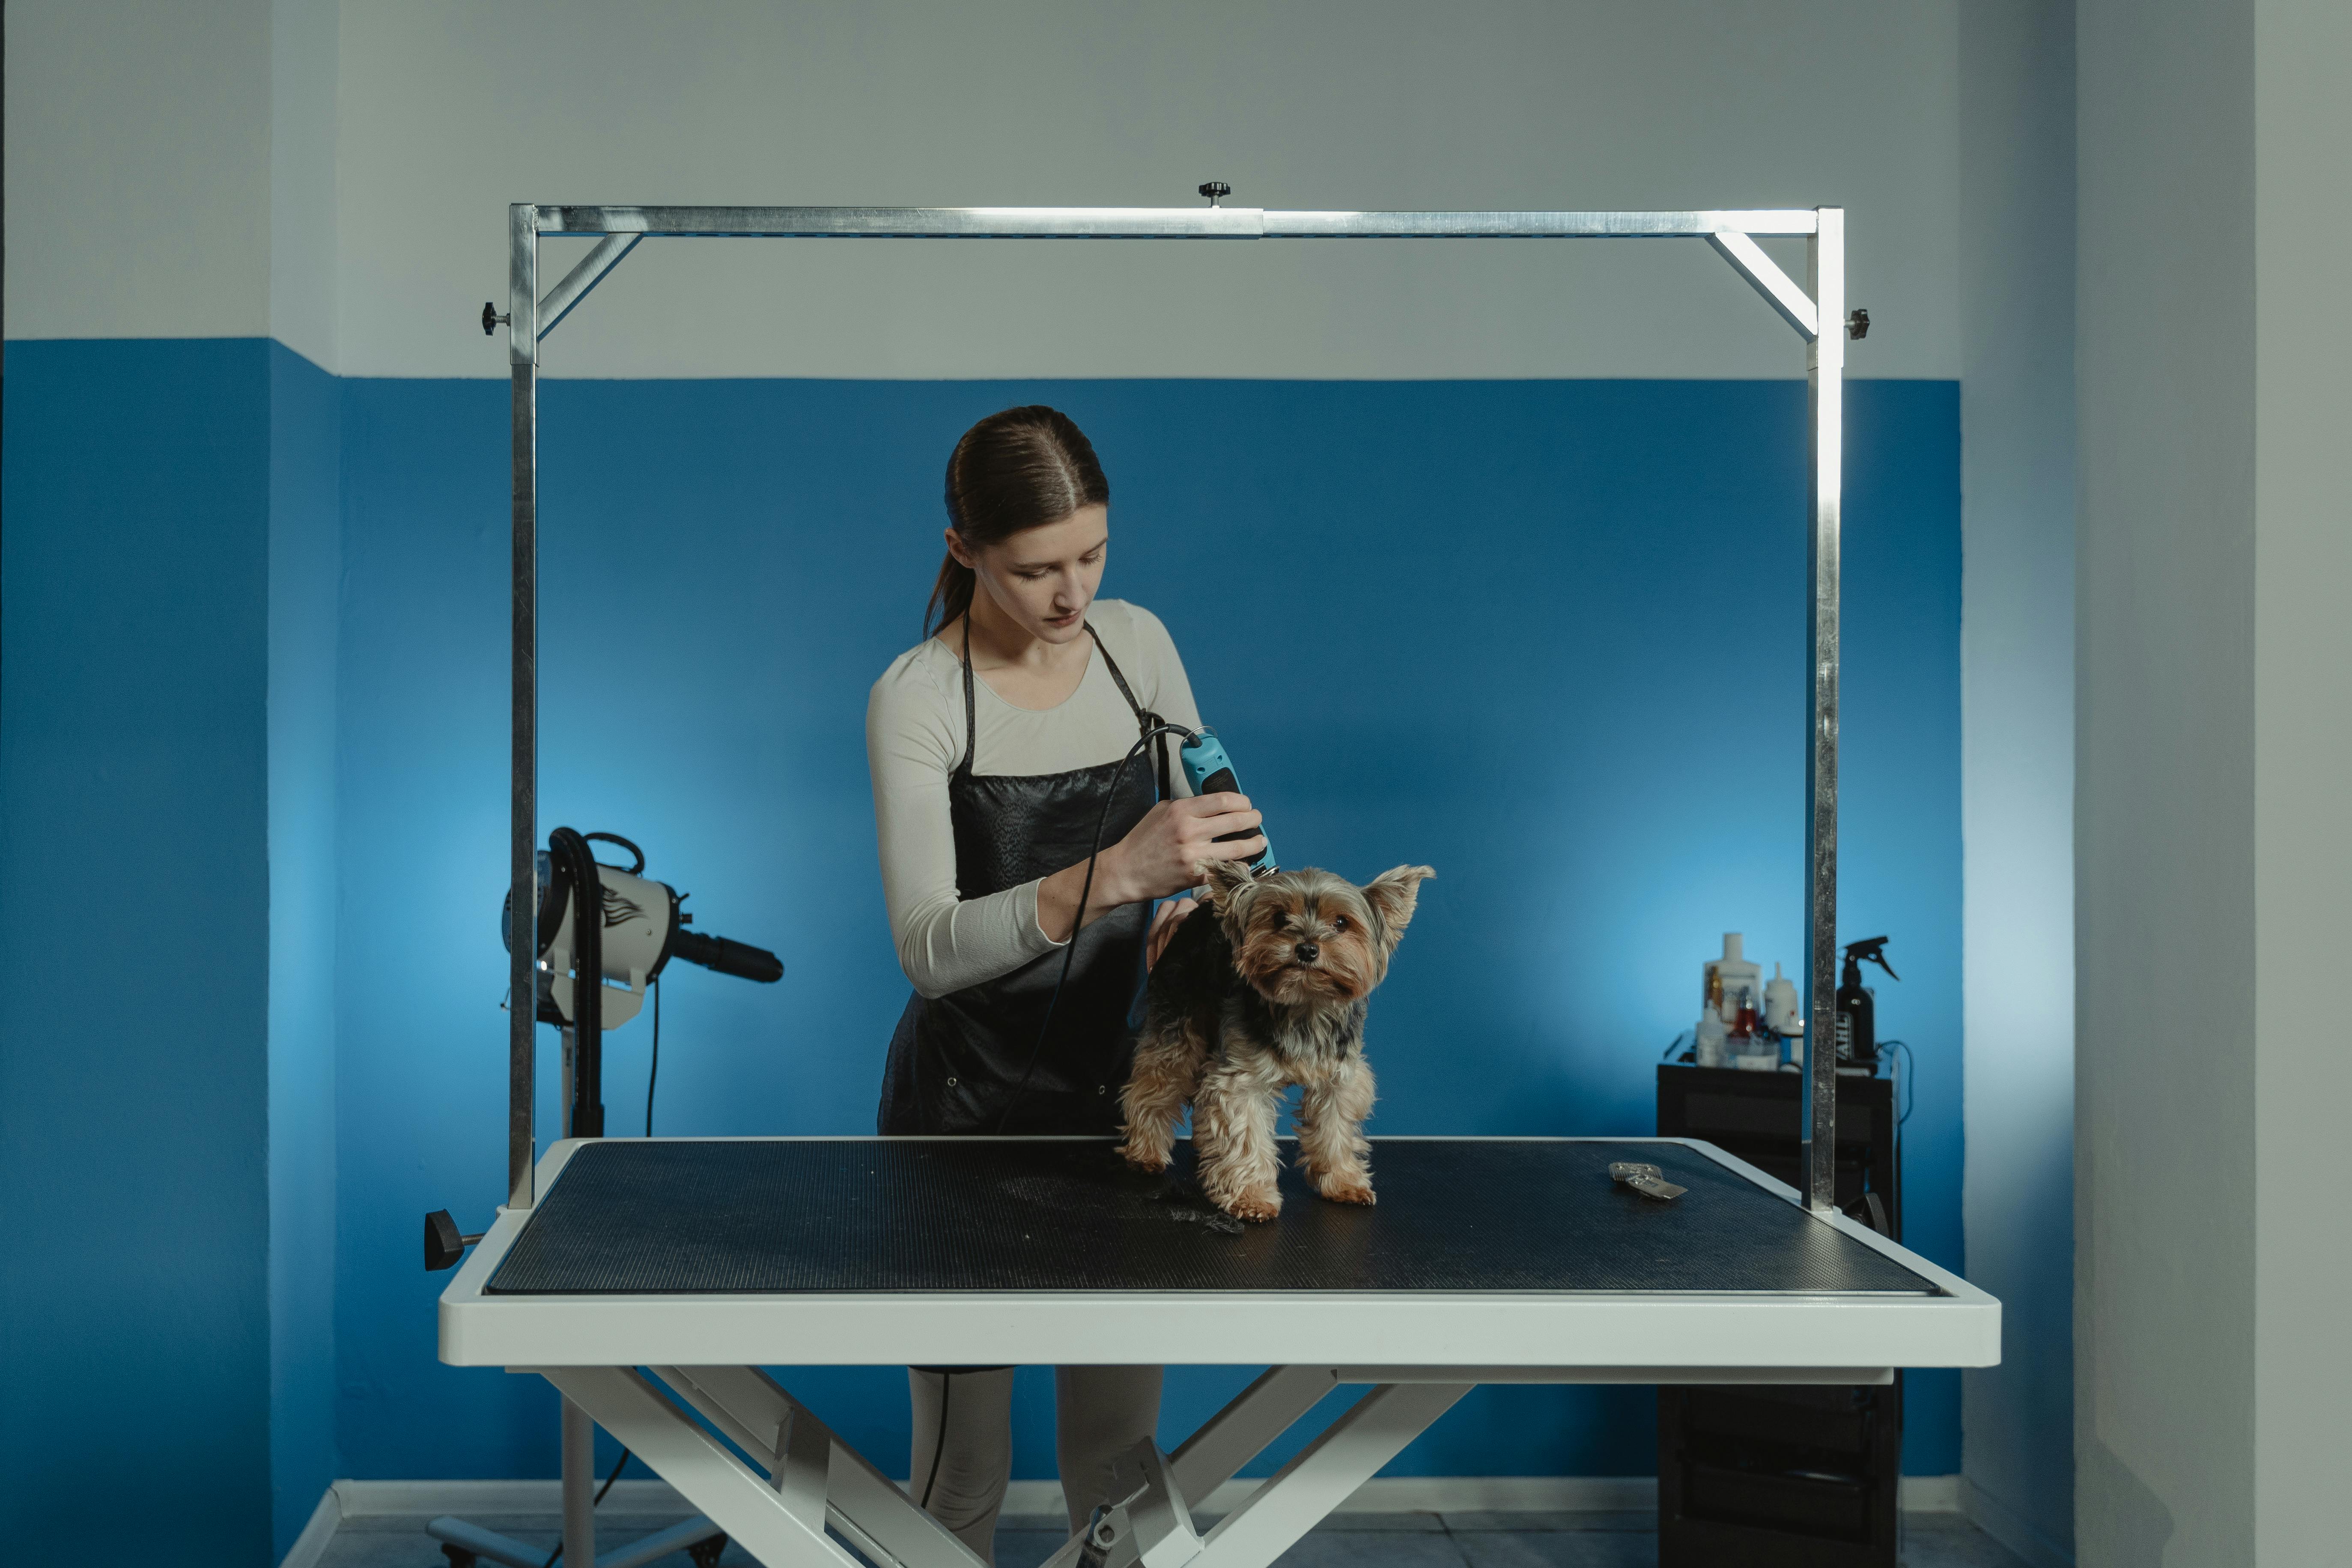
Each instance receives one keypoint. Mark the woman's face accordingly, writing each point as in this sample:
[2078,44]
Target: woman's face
[1043,578]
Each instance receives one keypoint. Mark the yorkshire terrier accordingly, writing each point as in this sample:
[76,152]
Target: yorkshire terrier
[1268,992]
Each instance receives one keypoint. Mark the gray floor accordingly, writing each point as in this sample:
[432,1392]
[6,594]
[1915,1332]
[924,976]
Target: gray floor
[1358,1541]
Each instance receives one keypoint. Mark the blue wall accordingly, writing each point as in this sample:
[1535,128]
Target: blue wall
[134,1315]
[1546,637]
[167,754]
[305,558]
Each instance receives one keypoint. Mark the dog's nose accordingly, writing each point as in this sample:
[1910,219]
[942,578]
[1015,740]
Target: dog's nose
[1307,953]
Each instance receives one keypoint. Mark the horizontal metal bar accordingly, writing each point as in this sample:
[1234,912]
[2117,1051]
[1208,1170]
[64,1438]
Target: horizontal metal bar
[1531,224]
[1152,223]
[910,223]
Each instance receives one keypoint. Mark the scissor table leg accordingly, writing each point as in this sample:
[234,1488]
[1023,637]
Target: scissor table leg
[774,1524]
[814,1481]
[1240,1432]
[1154,1526]
[1325,1474]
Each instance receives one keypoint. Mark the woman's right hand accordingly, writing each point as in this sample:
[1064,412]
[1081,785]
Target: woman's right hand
[1163,854]
[1161,858]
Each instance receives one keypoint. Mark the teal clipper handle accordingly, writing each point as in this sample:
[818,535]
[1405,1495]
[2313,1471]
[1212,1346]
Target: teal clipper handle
[1210,772]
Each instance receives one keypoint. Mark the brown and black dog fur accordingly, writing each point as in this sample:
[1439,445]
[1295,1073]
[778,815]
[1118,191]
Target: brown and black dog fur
[1265,989]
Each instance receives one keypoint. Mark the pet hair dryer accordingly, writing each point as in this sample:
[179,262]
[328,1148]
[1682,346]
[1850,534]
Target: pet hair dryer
[1210,772]
[643,928]
[593,973]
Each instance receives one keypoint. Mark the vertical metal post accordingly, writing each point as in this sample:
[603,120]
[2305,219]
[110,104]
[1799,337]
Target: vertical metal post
[579,1456]
[1825,263]
[522,979]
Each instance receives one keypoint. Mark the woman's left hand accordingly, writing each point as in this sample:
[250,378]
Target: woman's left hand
[1171,914]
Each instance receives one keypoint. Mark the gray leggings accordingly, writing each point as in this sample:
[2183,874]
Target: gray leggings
[1099,1413]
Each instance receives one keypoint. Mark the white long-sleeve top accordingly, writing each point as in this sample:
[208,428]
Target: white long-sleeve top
[914,740]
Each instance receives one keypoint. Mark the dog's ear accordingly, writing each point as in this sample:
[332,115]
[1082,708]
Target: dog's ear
[1229,884]
[1392,895]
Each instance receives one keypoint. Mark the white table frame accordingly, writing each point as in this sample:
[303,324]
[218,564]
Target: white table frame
[775,1477]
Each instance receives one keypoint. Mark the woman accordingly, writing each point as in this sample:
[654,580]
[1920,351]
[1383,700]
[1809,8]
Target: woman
[992,743]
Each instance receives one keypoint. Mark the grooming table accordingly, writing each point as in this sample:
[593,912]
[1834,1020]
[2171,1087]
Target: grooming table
[657,1277]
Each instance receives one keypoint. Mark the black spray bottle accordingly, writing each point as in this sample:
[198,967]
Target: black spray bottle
[1857,1023]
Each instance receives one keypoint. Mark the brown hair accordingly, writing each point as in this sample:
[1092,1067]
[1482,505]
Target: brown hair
[1013,471]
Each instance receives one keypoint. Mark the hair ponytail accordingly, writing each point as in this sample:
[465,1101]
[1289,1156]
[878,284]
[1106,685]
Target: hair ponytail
[951,595]
[1015,470]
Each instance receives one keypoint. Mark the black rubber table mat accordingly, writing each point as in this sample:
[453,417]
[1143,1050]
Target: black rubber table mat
[631,1217]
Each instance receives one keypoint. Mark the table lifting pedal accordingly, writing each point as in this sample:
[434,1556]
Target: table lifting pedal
[1149,1526]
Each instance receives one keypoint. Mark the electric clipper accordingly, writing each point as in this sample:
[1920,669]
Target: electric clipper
[1211,772]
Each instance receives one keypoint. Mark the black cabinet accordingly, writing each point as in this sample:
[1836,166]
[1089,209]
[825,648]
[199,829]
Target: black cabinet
[1783,1477]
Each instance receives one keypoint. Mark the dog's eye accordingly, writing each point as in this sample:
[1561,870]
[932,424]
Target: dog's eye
[1338,922]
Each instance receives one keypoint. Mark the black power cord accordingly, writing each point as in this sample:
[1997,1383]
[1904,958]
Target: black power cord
[1910,1090]
[654,1071]
[1085,888]
[567,849]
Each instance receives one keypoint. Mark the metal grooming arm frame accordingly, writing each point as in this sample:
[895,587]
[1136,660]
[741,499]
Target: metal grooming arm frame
[1818,313]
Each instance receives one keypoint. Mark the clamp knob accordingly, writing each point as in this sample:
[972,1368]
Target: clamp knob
[445,1244]
[1857,323]
[1214,189]
[491,320]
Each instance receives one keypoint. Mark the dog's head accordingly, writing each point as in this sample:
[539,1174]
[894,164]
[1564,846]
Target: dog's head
[1307,937]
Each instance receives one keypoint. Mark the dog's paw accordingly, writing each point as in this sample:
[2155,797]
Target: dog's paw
[1350,1193]
[1143,1158]
[1255,1207]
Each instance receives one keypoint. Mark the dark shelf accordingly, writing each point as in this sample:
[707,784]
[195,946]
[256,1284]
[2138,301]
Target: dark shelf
[1783,1477]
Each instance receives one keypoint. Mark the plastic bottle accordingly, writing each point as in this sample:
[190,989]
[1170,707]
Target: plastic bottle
[1723,975]
[1751,1050]
[1857,1031]
[1709,1047]
[1781,1011]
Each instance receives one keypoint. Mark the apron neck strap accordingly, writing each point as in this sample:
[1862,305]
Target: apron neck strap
[970,721]
[1117,680]
[1144,720]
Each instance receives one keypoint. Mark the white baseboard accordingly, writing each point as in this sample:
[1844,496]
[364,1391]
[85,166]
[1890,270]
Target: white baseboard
[1929,1494]
[469,1500]
[1032,1500]
[311,1544]
[1988,1514]
[1413,1494]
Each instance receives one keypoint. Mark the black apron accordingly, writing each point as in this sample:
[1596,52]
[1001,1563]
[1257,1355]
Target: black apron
[956,1061]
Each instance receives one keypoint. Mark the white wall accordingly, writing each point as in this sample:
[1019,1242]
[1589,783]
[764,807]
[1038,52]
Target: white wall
[449,111]
[2215,709]
[2017,673]
[138,169]
[2303,761]
[170,171]
[2164,800]
[304,73]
